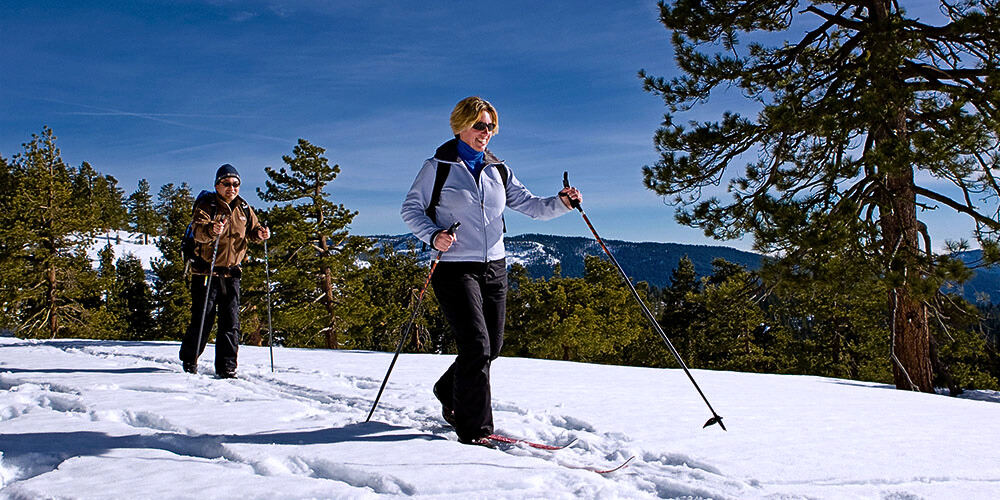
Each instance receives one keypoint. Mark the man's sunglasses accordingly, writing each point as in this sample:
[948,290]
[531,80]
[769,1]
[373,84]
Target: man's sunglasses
[484,126]
[234,184]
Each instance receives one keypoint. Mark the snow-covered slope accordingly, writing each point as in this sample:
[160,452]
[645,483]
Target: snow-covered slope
[123,243]
[86,419]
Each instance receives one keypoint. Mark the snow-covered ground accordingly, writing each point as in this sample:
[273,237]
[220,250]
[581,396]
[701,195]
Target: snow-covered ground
[83,419]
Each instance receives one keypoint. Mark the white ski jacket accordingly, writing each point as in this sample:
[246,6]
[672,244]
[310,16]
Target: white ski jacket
[479,207]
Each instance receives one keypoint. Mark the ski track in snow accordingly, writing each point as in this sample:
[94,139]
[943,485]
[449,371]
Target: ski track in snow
[163,418]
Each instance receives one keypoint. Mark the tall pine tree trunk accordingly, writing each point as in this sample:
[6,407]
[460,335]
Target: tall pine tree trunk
[49,242]
[911,359]
[908,314]
[911,367]
[51,299]
[331,329]
[910,329]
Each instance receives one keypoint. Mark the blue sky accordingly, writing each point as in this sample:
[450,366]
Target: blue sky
[168,91]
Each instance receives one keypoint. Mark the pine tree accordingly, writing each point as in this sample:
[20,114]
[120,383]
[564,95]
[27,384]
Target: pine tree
[105,199]
[135,298]
[734,333]
[383,299]
[142,213]
[959,350]
[51,225]
[590,319]
[312,252]
[834,307]
[679,309]
[860,122]
[105,316]
[171,294]
[11,265]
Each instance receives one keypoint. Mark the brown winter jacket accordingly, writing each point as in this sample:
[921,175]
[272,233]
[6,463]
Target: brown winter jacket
[241,226]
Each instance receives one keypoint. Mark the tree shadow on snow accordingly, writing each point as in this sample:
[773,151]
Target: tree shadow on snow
[861,383]
[111,371]
[359,432]
[82,343]
[974,395]
[987,396]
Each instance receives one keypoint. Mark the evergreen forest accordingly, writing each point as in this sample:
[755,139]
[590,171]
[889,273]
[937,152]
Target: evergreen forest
[326,288]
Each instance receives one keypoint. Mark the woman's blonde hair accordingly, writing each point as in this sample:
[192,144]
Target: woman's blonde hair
[468,111]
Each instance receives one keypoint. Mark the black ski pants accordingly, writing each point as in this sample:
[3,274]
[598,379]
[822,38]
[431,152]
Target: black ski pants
[224,302]
[473,297]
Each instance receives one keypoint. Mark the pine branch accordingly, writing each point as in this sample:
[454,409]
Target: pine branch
[966,209]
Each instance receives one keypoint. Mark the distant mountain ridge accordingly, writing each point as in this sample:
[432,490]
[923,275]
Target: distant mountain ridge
[654,262]
[985,282]
[644,261]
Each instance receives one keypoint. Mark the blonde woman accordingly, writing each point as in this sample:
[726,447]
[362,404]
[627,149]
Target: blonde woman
[465,182]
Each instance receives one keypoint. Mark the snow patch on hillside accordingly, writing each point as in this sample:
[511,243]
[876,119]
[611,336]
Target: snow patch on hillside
[123,243]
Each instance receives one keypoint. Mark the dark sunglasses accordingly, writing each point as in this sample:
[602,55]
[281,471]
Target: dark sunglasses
[484,126]
[234,184]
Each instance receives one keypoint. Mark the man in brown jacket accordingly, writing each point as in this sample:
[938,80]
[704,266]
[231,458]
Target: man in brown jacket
[225,217]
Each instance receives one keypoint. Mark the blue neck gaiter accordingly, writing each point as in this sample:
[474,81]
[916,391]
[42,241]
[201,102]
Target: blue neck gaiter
[473,159]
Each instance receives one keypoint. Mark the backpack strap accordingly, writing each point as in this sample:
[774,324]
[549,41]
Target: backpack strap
[245,207]
[440,176]
[504,174]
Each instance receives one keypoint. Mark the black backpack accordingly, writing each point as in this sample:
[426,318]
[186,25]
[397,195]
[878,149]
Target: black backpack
[441,175]
[187,242]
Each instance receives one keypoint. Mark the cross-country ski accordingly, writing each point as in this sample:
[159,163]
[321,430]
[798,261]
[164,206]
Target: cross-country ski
[500,438]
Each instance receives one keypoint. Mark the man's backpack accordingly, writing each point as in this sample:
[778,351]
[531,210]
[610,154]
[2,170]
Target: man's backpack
[441,175]
[187,242]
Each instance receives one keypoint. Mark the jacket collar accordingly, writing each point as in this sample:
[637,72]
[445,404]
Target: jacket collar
[449,152]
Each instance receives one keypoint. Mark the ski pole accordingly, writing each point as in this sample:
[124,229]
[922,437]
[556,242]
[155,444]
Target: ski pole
[413,316]
[208,287]
[267,282]
[716,419]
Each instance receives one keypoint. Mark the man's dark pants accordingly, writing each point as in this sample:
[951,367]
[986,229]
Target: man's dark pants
[224,301]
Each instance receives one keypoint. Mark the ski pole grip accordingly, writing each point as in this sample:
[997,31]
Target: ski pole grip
[573,203]
[451,230]
[223,221]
